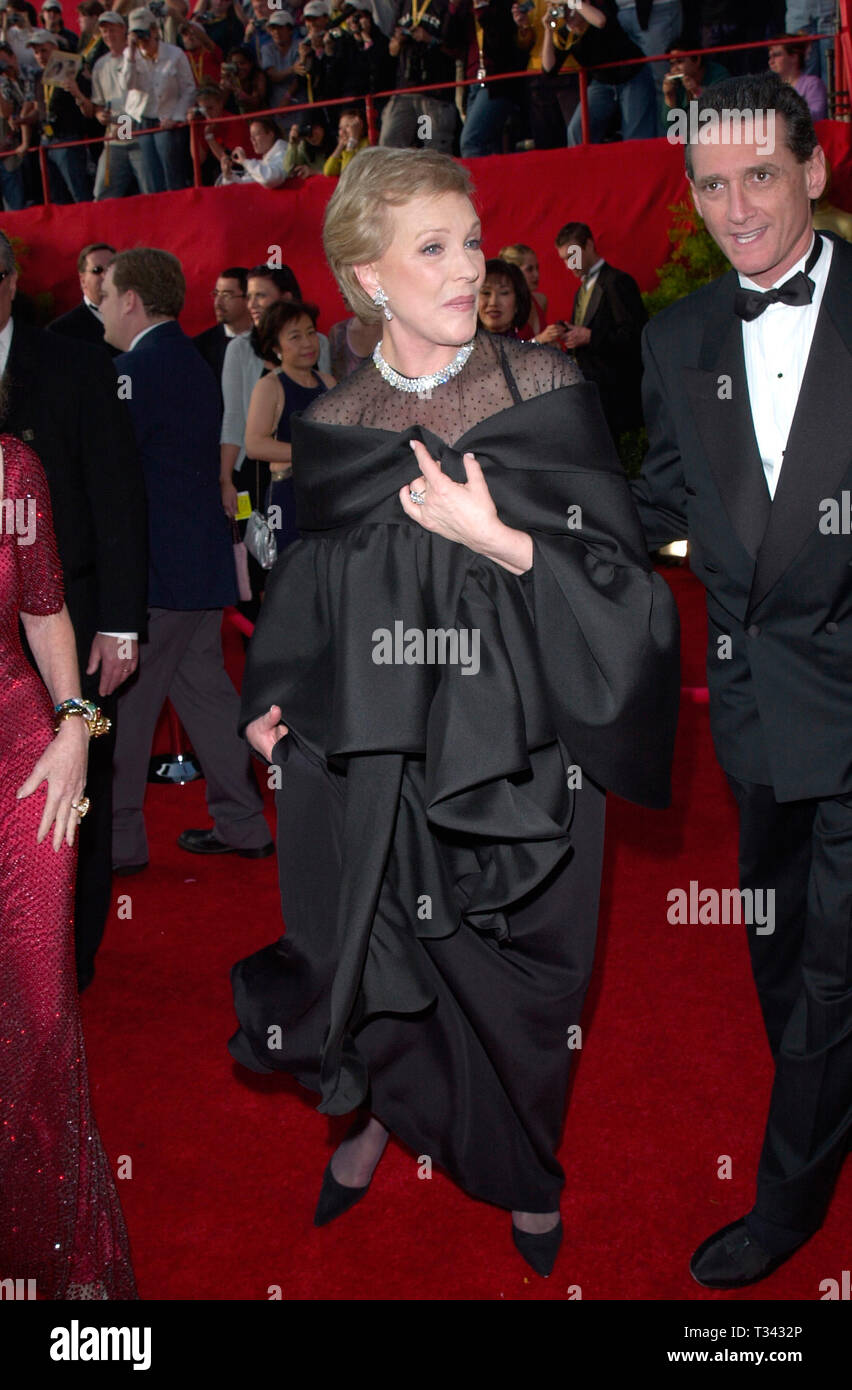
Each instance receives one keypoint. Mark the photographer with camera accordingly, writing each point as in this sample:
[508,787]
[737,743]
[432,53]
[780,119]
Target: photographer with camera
[204,56]
[491,48]
[214,143]
[599,39]
[320,70]
[121,167]
[307,147]
[243,80]
[688,75]
[160,92]
[15,139]
[351,137]
[370,67]
[221,23]
[550,99]
[426,41]
[279,57]
[267,165]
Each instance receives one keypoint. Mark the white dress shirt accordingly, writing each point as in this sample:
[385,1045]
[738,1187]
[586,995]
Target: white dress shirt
[110,78]
[270,170]
[776,347]
[5,344]
[162,90]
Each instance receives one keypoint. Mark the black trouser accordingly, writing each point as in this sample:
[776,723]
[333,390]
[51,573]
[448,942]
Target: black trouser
[803,973]
[94,851]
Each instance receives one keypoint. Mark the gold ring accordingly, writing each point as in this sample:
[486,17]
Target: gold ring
[81,806]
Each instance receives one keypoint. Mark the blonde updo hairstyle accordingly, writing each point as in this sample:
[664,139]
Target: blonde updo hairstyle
[357,228]
[517,253]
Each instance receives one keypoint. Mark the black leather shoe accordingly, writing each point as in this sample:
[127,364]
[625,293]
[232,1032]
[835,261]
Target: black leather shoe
[125,870]
[730,1259]
[334,1198]
[539,1251]
[205,842]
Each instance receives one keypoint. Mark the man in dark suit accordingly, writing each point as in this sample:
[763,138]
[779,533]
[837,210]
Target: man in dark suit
[747,392]
[232,318]
[605,333]
[84,321]
[176,414]
[65,405]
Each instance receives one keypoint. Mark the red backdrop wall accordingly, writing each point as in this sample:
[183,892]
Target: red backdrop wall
[622,190]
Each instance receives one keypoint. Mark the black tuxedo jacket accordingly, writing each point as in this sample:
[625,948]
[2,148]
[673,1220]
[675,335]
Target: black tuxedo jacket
[212,344]
[65,405]
[80,323]
[778,573]
[613,358]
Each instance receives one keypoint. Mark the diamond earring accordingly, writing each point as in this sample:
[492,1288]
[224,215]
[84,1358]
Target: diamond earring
[380,299]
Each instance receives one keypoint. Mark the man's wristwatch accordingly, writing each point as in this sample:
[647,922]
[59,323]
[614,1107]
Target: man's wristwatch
[96,722]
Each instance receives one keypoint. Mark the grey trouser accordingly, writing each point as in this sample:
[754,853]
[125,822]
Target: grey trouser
[182,661]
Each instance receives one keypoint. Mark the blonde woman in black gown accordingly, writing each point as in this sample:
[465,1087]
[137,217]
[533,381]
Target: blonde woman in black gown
[464,651]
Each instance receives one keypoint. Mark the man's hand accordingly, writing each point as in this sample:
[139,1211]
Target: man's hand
[115,668]
[577,337]
[263,733]
[238,154]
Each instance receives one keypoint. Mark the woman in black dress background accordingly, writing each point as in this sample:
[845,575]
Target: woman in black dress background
[466,648]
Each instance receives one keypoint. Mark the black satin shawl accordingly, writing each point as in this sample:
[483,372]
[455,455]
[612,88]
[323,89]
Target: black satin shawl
[579,663]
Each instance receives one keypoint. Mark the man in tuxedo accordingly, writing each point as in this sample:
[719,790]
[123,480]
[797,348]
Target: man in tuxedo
[605,333]
[84,320]
[174,402]
[66,407]
[230,306]
[747,392]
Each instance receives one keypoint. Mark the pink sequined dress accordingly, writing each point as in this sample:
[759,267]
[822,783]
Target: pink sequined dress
[60,1219]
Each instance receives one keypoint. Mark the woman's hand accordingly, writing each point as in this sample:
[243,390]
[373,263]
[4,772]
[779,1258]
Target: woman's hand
[465,512]
[264,732]
[553,333]
[63,766]
[461,512]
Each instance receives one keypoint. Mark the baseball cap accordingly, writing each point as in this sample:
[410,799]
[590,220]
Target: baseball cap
[314,9]
[52,5]
[142,20]
[111,17]
[280,17]
[37,37]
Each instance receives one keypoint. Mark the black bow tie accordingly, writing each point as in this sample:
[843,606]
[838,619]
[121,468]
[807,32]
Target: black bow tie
[798,290]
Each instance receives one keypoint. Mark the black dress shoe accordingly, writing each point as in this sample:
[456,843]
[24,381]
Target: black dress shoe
[539,1251]
[731,1258]
[334,1198]
[206,842]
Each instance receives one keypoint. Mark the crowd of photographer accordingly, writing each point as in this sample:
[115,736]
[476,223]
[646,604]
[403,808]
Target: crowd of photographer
[147,85]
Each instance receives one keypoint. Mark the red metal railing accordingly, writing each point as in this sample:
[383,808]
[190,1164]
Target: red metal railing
[842,95]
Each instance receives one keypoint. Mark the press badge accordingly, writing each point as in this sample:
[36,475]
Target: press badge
[243,506]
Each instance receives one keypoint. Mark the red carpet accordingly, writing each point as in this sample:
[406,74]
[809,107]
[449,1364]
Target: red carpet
[673,1076]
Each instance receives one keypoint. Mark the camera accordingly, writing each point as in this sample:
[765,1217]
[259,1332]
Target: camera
[157,8]
[230,69]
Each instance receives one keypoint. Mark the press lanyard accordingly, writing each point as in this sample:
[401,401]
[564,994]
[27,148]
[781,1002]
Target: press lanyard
[417,15]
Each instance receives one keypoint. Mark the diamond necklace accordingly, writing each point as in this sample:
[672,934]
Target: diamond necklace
[422,383]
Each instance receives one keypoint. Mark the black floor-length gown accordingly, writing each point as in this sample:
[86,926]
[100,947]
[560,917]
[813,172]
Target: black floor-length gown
[439,863]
